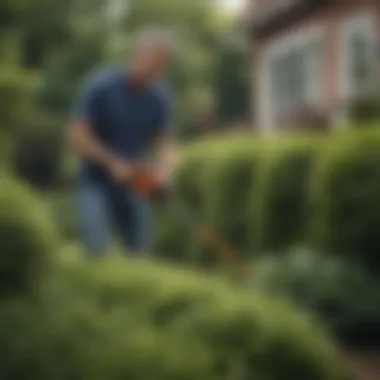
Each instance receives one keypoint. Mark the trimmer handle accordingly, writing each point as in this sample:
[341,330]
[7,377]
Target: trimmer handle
[143,183]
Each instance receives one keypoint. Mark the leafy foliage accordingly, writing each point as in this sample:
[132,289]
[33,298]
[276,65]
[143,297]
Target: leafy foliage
[26,237]
[139,321]
[346,187]
[261,194]
[345,297]
[112,319]
[232,83]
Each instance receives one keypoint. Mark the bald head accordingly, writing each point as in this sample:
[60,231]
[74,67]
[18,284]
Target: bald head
[154,38]
[152,54]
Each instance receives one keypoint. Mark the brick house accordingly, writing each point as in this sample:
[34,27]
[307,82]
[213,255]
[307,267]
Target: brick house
[319,54]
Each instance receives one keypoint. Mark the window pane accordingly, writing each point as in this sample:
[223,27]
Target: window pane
[292,78]
[360,58]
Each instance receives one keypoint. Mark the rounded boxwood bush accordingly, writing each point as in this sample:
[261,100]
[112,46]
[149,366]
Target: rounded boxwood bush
[175,237]
[214,181]
[345,198]
[74,339]
[343,296]
[62,205]
[365,109]
[235,334]
[282,199]
[27,239]
[230,185]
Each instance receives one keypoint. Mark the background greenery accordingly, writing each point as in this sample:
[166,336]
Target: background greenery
[302,210]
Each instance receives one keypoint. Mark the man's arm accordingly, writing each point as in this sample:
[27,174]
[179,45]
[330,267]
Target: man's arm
[82,139]
[164,143]
[165,155]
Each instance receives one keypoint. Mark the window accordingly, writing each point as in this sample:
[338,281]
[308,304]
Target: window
[358,56]
[294,79]
[360,46]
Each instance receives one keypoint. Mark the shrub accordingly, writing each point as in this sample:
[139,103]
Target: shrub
[169,234]
[345,197]
[344,297]
[24,337]
[252,192]
[282,199]
[26,239]
[307,118]
[220,332]
[269,193]
[230,185]
[37,157]
[175,236]
[76,340]
[365,109]
[62,209]
[216,181]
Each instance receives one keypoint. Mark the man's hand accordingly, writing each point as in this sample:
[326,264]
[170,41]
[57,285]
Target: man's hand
[83,139]
[164,147]
[162,176]
[120,170]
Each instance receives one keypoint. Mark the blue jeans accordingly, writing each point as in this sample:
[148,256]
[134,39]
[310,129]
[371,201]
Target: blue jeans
[103,207]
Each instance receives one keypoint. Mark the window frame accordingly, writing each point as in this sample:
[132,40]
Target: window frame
[363,24]
[311,40]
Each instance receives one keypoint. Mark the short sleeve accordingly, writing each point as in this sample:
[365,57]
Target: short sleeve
[86,103]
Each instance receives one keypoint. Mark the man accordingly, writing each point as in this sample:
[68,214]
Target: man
[120,115]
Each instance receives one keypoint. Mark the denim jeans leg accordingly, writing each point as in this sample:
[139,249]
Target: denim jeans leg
[139,229]
[93,218]
[132,217]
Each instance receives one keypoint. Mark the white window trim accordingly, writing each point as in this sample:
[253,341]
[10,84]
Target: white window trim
[364,22]
[294,39]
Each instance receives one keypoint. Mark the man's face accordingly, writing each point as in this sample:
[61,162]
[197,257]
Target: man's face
[151,62]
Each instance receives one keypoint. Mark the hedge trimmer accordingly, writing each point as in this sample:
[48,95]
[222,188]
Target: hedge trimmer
[144,184]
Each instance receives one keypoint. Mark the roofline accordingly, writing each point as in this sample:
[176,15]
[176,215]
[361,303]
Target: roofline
[258,21]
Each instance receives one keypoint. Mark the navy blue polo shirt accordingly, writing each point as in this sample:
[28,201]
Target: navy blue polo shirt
[125,119]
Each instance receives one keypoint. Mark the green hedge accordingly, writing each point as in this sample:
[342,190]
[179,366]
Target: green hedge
[344,296]
[117,320]
[346,197]
[27,239]
[272,193]
[282,202]
[214,181]
[219,181]
[112,319]
[230,185]
[365,109]
[174,238]
[63,205]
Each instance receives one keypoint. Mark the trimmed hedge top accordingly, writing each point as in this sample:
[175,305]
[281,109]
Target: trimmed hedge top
[276,192]
[346,197]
